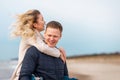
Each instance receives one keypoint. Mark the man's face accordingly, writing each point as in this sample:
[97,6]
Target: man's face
[52,36]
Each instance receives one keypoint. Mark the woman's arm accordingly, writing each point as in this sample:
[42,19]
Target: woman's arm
[63,54]
[41,46]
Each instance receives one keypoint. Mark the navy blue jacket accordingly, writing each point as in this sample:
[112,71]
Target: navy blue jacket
[42,65]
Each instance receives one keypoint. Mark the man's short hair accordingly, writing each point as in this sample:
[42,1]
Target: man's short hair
[54,24]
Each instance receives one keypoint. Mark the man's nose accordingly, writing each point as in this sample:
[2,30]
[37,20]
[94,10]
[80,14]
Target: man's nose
[51,38]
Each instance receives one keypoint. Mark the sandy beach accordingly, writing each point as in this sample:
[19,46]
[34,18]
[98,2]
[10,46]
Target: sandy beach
[95,67]
[83,68]
[6,69]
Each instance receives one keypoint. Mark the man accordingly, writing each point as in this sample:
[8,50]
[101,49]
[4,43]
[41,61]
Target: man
[42,65]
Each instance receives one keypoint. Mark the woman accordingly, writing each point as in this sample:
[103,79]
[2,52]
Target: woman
[28,26]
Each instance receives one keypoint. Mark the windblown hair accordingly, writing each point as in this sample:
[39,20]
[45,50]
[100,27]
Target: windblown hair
[23,27]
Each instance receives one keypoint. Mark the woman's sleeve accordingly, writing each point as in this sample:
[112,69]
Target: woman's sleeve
[41,46]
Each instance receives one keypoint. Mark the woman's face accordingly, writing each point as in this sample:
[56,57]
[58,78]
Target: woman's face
[39,25]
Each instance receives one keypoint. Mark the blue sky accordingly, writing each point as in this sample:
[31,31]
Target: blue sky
[90,26]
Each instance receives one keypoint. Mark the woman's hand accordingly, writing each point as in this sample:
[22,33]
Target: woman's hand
[63,54]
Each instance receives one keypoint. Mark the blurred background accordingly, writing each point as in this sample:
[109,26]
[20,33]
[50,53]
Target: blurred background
[91,35]
[90,26]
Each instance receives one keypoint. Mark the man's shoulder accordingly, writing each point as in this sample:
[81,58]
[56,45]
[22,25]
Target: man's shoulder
[33,50]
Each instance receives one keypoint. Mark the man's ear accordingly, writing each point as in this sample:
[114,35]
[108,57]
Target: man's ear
[60,35]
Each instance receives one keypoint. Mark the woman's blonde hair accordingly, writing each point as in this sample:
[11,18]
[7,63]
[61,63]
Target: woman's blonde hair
[23,27]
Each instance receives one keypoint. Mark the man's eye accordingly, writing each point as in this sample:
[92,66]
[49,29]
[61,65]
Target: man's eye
[49,35]
[55,36]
